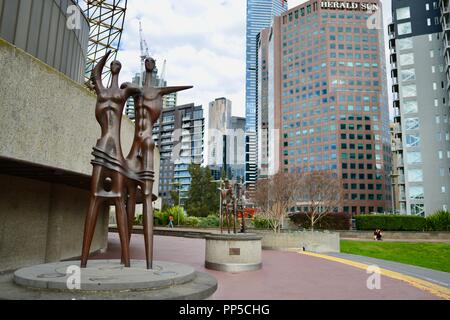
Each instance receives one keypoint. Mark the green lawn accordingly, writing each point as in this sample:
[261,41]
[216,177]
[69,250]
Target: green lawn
[428,255]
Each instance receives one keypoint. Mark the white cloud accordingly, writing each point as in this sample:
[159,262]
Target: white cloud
[202,41]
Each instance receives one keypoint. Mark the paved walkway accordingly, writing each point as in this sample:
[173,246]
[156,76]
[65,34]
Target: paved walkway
[284,276]
[437,277]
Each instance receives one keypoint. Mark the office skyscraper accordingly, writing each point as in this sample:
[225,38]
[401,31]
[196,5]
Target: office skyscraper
[327,106]
[419,58]
[259,16]
[226,141]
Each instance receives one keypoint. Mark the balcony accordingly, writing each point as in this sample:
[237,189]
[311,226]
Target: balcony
[399,144]
[391,31]
[187,118]
[395,88]
[444,5]
[392,45]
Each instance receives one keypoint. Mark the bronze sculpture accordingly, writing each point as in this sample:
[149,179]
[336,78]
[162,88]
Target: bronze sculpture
[109,170]
[228,206]
[148,108]
[116,180]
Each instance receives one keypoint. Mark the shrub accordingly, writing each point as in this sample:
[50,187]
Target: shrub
[439,221]
[162,217]
[390,222]
[260,223]
[333,221]
[138,219]
[192,221]
[210,221]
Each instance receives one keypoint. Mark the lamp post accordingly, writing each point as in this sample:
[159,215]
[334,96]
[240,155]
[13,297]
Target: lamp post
[179,206]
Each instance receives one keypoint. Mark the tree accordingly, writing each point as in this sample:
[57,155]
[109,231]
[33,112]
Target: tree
[274,197]
[174,193]
[319,194]
[203,196]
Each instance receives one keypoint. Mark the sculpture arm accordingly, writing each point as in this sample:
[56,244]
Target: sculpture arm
[167,90]
[96,74]
[131,89]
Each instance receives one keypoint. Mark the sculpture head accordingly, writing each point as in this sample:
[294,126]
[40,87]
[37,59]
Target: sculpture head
[150,64]
[116,66]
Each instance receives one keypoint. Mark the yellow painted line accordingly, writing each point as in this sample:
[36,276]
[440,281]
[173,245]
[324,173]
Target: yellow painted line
[437,290]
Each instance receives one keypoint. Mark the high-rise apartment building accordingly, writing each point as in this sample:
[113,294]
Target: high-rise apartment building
[179,134]
[419,62]
[259,16]
[327,106]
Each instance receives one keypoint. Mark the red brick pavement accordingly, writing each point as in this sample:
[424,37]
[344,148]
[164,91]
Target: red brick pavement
[285,275]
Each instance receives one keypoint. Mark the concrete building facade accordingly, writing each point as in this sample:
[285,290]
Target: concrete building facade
[418,58]
[326,99]
[40,27]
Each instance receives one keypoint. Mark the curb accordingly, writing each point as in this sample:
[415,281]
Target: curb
[439,291]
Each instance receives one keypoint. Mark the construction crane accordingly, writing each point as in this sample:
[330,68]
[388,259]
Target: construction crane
[144,51]
[163,75]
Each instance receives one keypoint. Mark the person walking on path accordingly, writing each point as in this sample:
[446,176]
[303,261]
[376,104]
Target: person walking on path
[170,221]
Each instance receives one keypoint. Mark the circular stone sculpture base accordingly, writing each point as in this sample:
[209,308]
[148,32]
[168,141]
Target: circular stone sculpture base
[233,252]
[107,279]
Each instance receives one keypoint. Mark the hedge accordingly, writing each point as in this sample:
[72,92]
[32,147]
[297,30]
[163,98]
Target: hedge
[439,221]
[390,222]
[333,221]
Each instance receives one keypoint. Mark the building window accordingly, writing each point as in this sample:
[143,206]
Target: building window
[404,44]
[412,140]
[406,59]
[409,91]
[416,192]
[404,28]
[403,13]
[408,75]
[415,175]
[410,106]
[413,157]
[412,123]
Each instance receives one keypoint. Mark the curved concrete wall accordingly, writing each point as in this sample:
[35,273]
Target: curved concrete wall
[39,28]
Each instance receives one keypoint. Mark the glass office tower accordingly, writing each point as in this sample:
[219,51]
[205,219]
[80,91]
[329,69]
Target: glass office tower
[327,99]
[259,16]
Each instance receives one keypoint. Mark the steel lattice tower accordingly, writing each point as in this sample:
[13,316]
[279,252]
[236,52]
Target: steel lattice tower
[106,19]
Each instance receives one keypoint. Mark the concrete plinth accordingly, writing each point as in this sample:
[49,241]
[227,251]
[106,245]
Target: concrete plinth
[233,252]
[107,279]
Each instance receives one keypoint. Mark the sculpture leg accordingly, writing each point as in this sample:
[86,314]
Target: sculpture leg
[221,218]
[228,218]
[148,229]
[131,209]
[235,218]
[89,227]
[121,217]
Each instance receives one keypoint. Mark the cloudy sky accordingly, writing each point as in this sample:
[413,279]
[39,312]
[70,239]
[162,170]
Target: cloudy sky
[203,42]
